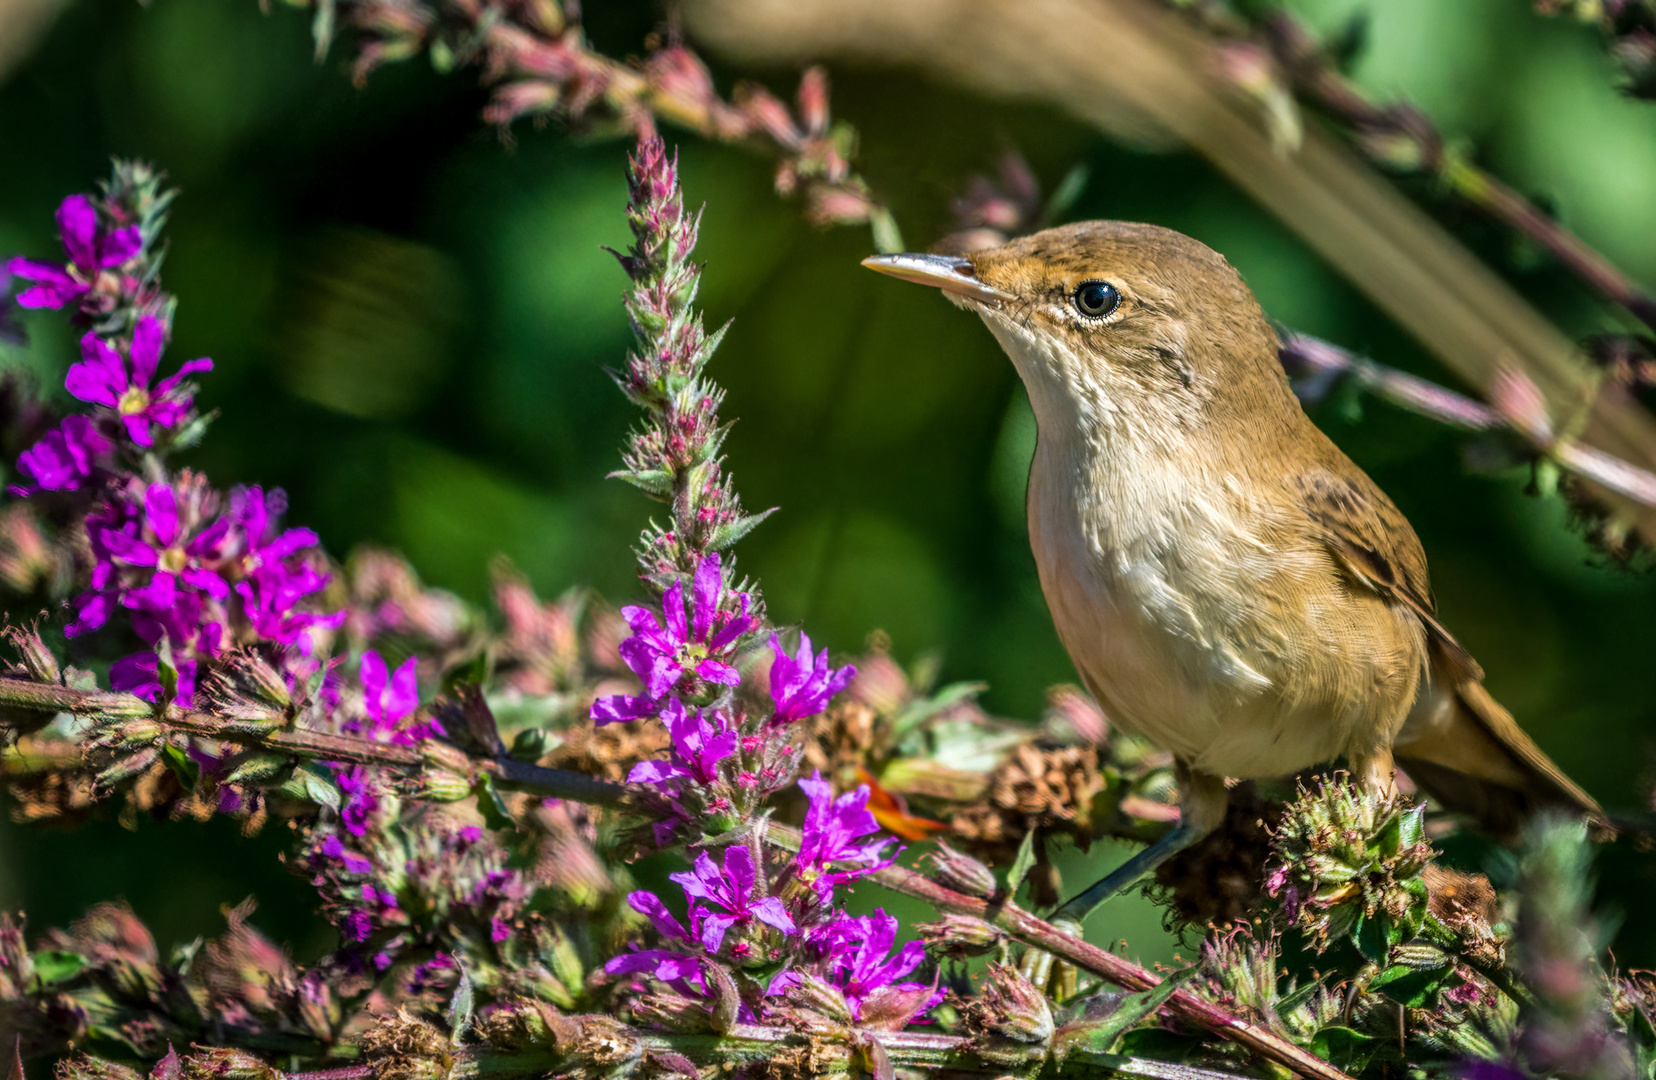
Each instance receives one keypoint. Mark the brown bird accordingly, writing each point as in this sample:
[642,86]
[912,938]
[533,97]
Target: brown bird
[1227,582]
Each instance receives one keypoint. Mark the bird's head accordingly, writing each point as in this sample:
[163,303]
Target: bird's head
[1125,321]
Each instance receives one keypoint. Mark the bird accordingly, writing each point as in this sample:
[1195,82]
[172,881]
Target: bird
[1226,581]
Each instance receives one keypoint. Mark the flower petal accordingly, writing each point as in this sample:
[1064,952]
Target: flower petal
[77,222]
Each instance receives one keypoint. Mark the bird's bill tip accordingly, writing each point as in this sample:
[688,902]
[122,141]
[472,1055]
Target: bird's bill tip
[950,273]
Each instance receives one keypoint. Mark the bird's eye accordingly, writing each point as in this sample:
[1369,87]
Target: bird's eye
[1096,299]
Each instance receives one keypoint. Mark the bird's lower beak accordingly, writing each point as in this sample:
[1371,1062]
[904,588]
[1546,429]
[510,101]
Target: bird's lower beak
[950,273]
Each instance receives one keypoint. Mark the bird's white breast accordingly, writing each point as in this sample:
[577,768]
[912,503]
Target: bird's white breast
[1165,585]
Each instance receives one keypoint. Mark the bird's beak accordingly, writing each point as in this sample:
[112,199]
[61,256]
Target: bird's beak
[950,273]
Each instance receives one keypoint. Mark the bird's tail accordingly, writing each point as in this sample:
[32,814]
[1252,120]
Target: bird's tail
[1468,753]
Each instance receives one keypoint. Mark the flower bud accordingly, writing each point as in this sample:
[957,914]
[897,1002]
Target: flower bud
[266,683]
[126,769]
[518,1025]
[95,1068]
[812,994]
[443,787]
[132,733]
[445,756]
[37,659]
[1010,1020]
[227,1064]
[963,873]
[117,705]
[673,1012]
[962,936]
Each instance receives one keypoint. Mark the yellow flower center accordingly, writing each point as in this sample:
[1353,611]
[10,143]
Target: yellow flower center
[173,560]
[134,401]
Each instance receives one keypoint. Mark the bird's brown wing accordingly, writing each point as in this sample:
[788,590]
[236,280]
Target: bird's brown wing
[1471,755]
[1375,545]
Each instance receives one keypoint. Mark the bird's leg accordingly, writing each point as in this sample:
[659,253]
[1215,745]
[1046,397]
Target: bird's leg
[1202,803]
[1374,772]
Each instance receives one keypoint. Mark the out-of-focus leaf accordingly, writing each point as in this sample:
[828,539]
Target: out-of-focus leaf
[52,966]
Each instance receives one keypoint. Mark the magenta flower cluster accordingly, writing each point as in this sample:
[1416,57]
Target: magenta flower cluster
[94,252]
[196,573]
[740,917]
[117,374]
[199,575]
[389,702]
[129,407]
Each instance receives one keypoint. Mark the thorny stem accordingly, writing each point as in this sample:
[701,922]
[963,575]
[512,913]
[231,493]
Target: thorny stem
[576,786]
[307,745]
[1318,363]
[1118,970]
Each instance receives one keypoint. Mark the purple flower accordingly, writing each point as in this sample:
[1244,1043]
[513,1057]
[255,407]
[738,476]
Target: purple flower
[334,848]
[619,708]
[11,331]
[103,378]
[361,798]
[832,827]
[65,457]
[692,638]
[91,250]
[854,952]
[680,970]
[273,583]
[723,899]
[271,596]
[696,749]
[800,686]
[140,674]
[390,701]
[155,536]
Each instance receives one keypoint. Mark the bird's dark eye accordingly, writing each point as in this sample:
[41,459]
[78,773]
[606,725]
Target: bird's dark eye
[1096,299]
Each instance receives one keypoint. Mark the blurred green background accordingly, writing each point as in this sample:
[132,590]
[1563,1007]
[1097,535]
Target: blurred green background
[410,321]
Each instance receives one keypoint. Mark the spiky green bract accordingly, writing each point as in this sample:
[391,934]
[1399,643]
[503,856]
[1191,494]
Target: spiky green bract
[134,194]
[674,455]
[1348,866]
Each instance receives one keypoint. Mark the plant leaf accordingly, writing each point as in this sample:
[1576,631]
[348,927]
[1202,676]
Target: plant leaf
[1100,1036]
[460,1005]
[54,966]
[1021,864]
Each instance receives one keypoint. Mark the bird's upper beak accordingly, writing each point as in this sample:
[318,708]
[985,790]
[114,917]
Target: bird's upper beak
[950,273]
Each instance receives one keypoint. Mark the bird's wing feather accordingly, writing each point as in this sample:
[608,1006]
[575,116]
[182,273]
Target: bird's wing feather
[1372,541]
[1480,761]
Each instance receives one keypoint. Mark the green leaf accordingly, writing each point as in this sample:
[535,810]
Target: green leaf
[256,767]
[1295,998]
[1064,195]
[1342,1046]
[1160,1044]
[178,760]
[656,482]
[1373,939]
[1390,975]
[888,239]
[726,535]
[52,966]
[920,711]
[492,806]
[322,27]
[1021,864]
[1101,1035]
[1418,988]
[315,782]
[460,1005]
[442,56]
